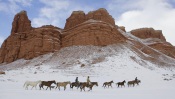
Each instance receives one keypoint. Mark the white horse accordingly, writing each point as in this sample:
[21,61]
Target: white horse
[31,83]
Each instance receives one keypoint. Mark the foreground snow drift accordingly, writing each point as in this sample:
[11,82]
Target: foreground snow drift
[153,83]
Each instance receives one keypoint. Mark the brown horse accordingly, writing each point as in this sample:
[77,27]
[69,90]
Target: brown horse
[63,84]
[107,84]
[74,84]
[82,85]
[47,83]
[133,82]
[121,83]
[138,81]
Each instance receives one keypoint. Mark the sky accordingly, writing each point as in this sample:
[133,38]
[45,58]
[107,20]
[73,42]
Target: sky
[133,14]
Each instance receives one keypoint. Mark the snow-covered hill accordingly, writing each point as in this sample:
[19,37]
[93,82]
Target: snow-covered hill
[114,62]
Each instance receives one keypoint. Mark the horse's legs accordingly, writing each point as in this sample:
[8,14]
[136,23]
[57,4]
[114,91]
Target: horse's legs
[56,87]
[64,88]
[59,87]
[32,87]
[47,87]
[84,88]
[27,87]
[105,86]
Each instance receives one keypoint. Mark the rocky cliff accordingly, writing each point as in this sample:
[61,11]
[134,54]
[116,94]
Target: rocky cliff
[21,23]
[96,28]
[144,33]
[27,42]
[78,17]
[155,40]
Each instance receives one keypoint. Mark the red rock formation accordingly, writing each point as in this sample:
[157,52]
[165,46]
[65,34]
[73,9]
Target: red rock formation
[27,42]
[163,46]
[101,15]
[144,33]
[92,32]
[95,28]
[21,23]
[78,17]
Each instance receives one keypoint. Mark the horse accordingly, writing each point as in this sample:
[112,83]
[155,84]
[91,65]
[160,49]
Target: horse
[47,83]
[94,83]
[74,84]
[133,82]
[107,84]
[138,81]
[121,83]
[63,84]
[85,84]
[31,83]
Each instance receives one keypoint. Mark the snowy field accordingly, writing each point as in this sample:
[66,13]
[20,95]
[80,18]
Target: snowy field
[156,83]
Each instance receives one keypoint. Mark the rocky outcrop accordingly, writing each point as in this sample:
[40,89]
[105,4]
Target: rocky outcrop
[95,28]
[27,42]
[92,32]
[160,45]
[21,23]
[78,17]
[145,33]
[165,48]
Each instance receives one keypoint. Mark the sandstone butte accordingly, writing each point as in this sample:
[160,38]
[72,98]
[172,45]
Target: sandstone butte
[96,28]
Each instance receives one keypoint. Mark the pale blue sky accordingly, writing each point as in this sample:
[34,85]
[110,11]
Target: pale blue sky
[159,14]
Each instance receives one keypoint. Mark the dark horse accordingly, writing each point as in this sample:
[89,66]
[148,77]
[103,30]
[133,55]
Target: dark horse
[47,83]
[107,84]
[121,83]
[82,85]
[74,84]
[133,82]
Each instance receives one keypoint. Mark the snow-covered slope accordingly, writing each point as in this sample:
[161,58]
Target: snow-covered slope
[114,62]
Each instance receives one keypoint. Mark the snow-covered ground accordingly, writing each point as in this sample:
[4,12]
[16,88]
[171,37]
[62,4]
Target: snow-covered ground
[109,64]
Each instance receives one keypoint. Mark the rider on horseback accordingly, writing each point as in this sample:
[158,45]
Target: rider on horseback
[76,81]
[88,80]
[136,79]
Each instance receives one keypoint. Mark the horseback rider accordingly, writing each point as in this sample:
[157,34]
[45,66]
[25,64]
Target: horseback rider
[136,79]
[88,80]
[76,81]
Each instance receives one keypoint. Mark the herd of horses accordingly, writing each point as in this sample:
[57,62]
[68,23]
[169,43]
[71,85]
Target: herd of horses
[78,85]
